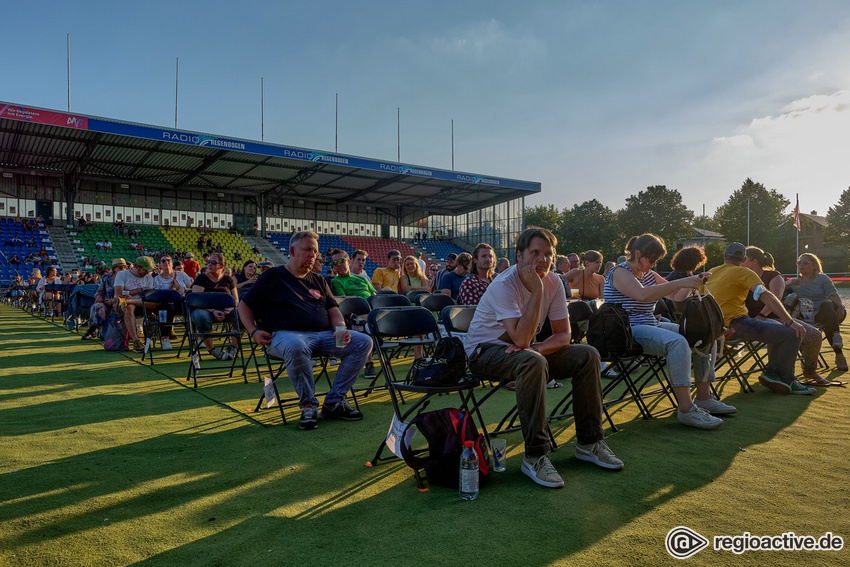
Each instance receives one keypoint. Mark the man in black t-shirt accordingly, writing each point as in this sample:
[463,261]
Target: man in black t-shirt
[292,310]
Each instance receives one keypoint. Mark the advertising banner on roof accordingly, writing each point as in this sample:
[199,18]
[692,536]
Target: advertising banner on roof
[43,116]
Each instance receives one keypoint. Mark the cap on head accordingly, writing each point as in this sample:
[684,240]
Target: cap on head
[190,255]
[417,253]
[145,262]
[735,251]
[119,262]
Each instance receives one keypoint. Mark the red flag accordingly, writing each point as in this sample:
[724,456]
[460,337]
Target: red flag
[797,215]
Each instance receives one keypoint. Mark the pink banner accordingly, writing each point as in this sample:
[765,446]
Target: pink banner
[43,116]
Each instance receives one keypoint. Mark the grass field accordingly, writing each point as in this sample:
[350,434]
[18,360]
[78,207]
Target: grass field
[105,461]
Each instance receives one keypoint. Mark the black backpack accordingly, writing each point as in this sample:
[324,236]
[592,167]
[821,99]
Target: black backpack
[445,430]
[701,321]
[610,332]
[445,368]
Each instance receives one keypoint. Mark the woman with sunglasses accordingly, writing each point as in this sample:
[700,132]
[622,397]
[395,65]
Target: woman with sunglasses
[813,285]
[637,287]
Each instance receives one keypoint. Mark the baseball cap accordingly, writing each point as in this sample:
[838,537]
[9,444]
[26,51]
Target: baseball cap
[418,253]
[190,255]
[145,262]
[735,251]
[119,262]
[393,254]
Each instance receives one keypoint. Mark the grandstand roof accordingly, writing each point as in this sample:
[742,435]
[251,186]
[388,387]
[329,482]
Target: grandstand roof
[45,142]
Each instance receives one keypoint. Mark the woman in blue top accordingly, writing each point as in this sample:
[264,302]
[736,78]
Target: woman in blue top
[635,286]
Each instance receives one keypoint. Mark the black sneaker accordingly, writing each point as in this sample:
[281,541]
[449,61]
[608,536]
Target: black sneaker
[341,410]
[309,419]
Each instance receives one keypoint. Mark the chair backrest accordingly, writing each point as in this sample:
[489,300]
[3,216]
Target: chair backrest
[579,311]
[210,300]
[161,296]
[413,294]
[355,305]
[436,302]
[388,300]
[401,322]
[457,318]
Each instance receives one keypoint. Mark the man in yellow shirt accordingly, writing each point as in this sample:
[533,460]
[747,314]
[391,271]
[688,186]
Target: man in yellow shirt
[388,278]
[729,284]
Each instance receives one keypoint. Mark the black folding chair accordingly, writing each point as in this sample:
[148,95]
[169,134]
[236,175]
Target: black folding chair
[397,326]
[171,302]
[388,300]
[224,331]
[412,294]
[435,303]
[354,310]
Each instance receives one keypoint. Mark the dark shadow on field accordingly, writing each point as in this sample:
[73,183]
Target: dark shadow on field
[287,497]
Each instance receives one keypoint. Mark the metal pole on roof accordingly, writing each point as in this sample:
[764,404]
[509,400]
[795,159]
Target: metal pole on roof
[68,54]
[453,144]
[336,123]
[398,131]
[262,109]
[176,90]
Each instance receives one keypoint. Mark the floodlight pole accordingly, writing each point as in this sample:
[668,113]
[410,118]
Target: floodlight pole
[176,90]
[262,109]
[68,54]
[398,131]
[453,144]
[336,123]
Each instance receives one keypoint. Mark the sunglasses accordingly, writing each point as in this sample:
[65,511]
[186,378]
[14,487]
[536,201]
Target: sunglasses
[339,262]
[165,261]
[212,263]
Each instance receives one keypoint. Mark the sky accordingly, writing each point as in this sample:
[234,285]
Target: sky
[592,99]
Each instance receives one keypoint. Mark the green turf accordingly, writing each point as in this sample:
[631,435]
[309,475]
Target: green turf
[104,461]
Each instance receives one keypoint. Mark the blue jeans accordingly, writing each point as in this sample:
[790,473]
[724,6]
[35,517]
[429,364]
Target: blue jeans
[297,349]
[204,320]
[782,344]
[664,340]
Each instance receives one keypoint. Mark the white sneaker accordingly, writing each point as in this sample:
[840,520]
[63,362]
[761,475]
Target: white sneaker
[699,418]
[600,455]
[541,471]
[166,344]
[715,407]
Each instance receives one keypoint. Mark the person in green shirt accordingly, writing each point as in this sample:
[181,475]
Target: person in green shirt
[343,282]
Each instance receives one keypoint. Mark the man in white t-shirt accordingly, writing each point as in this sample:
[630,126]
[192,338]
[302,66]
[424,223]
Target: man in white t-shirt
[501,343]
[129,285]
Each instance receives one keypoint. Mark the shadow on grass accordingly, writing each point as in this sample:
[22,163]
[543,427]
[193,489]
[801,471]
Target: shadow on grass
[227,492]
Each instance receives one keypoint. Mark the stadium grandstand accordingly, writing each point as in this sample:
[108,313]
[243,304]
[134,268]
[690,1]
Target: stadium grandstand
[76,177]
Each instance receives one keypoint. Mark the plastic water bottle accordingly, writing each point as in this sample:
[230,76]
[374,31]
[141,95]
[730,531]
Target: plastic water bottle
[468,472]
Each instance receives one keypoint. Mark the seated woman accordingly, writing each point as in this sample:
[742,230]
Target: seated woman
[412,277]
[635,286]
[761,263]
[49,298]
[814,285]
[101,309]
[586,278]
[685,262]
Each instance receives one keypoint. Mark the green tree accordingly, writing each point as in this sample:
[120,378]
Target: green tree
[545,216]
[838,218]
[591,226]
[768,224]
[657,210]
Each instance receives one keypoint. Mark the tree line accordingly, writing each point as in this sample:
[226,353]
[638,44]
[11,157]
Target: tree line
[593,226]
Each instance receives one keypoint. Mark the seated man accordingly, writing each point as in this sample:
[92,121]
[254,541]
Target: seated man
[292,311]
[387,278]
[730,283]
[501,343]
[343,282]
[358,265]
[129,285]
[450,282]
